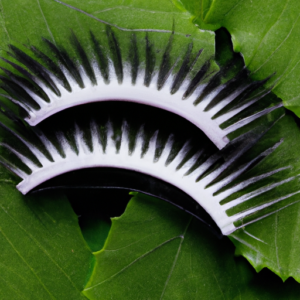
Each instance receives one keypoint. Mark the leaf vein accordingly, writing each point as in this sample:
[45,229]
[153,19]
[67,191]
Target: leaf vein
[45,20]
[281,44]
[176,257]
[28,265]
[42,248]
[270,28]
[3,22]
[133,262]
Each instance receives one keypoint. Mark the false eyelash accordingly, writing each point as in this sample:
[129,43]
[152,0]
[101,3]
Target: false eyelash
[52,83]
[204,174]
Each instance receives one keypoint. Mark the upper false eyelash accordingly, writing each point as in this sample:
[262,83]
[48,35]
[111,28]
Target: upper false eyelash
[55,81]
[217,180]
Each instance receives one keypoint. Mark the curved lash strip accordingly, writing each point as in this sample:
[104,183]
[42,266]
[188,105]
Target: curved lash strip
[52,83]
[205,175]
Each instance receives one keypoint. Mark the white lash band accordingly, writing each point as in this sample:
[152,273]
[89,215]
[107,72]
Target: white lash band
[182,87]
[208,181]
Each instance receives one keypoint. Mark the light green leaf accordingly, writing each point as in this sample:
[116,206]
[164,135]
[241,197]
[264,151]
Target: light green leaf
[266,33]
[272,242]
[43,254]
[26,22]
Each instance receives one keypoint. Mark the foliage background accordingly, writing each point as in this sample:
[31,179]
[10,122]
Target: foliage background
[153,250]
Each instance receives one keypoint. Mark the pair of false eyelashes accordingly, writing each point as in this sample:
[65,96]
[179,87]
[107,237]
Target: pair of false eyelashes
[221,108]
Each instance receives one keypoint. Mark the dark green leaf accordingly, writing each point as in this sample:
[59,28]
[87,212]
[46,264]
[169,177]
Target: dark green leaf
[43,254]
[266,285]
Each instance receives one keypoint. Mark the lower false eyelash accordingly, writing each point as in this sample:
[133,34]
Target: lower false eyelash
[54,82]
[193,166]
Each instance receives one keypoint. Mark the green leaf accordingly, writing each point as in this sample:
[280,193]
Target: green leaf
[273,242]
[197,9]
[26,22]
[55,20]
[155,251]
[266,33]
[43,254]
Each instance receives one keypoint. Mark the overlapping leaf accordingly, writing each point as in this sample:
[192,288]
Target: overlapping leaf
[156,251]
[265,32]
[166,254]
